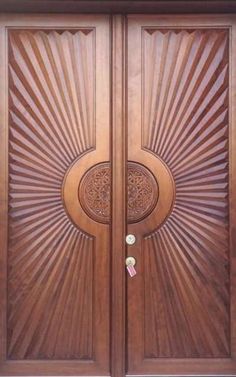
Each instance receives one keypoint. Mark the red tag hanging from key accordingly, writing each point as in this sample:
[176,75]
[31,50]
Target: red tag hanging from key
[131,270]
[130,263]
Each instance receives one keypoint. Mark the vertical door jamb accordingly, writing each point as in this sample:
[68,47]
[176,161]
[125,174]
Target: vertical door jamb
[118,157]
[3,192]
[232,188]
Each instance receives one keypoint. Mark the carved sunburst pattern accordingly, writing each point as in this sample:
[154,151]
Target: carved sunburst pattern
[49,261]
[185,122]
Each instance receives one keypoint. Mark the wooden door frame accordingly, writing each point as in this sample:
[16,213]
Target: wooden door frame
[118,6]
[118,157]
[118,117]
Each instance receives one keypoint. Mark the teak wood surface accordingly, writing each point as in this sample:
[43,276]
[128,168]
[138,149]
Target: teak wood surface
[113,125]
[119,6]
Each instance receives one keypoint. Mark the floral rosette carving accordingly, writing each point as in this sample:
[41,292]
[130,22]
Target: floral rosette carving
[95,192]
[142,192]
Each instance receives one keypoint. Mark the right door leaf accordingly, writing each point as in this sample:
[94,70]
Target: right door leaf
[181,78]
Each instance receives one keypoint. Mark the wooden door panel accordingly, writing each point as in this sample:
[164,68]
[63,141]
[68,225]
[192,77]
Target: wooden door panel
[57,284]
[178,122]
[49,260]
[188,255]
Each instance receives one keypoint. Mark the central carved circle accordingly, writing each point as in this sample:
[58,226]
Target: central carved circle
[142,192]
[95,192]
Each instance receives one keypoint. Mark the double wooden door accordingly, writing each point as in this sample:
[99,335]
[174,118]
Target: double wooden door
[109,129]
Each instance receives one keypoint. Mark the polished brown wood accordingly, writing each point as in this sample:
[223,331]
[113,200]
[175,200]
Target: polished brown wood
[43,144]
[118,300]
[58,258]
[178,100]
[98,149]
[3,195]
[232,190]
[119,6]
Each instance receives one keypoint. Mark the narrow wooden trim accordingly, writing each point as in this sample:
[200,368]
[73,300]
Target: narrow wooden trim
[232,187]
[3,194]
[49,368]
[118,6]
[181,375]
[118,198]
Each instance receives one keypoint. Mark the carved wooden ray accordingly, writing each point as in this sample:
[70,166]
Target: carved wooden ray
[185,122]
[50,261]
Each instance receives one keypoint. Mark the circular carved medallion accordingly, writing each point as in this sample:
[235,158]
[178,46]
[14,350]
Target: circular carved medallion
[94,192]
[142,192]
[95,189]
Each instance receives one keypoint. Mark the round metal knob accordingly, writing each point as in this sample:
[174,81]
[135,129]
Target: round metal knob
[130,239]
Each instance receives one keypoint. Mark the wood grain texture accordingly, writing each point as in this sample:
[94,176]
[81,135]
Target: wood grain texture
[119,197]
[185,122]
[3,195]
[178,304]
[49,260]
[118,6]
[232,191]
[53,264]
[179,105]
[58,281]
